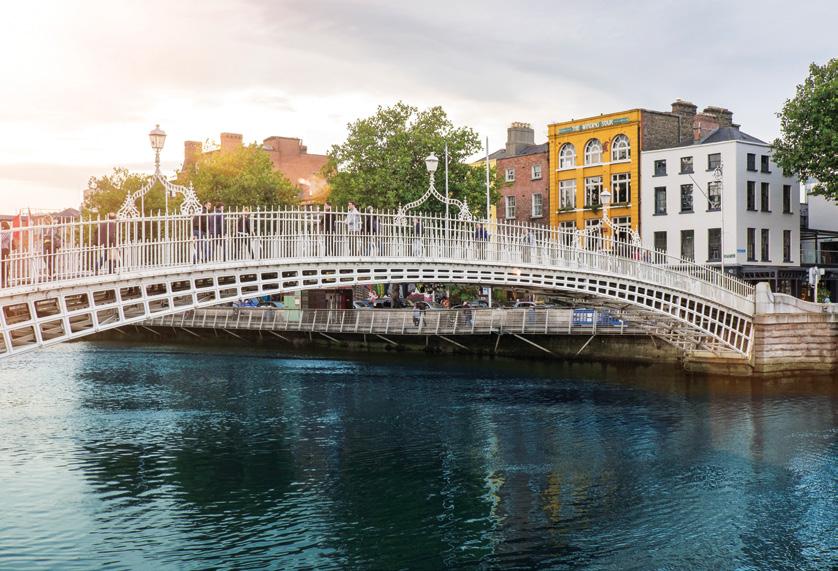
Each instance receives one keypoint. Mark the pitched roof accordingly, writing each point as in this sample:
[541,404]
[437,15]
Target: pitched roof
[729,134]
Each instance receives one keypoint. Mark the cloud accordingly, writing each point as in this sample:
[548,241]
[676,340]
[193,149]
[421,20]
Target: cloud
[86,80]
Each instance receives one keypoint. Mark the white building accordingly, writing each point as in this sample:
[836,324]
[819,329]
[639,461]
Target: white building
[722,198]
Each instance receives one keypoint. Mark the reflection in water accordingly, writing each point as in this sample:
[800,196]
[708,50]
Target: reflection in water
[135,457]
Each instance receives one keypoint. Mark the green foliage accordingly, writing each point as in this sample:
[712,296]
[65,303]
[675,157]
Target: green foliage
[243,177]
[382,161]
[809,125]
[108,192]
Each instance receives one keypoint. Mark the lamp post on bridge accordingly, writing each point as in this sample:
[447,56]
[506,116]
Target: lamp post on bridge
[157,137]
[605,200]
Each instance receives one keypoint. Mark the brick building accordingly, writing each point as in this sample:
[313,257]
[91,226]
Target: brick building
[288,156]
[603,153]
[524,167]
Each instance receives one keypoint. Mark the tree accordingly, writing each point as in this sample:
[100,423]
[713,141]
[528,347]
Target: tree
[107,192]
[382,161]
[243,177]
[808,146]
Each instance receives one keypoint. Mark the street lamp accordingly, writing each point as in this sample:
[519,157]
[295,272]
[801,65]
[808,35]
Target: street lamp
[605,200]
[157,136]
[431,163]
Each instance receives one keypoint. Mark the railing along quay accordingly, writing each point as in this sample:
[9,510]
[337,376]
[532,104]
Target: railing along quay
[403,322]
[86,251]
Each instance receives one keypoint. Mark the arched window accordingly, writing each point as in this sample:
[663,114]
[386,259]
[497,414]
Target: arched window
[620,148]
[567,156]
[593,152]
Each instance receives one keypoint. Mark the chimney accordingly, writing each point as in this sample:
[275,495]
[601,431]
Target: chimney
[518,136]
[191,152]
[724,117]
[686,115]
[230,141]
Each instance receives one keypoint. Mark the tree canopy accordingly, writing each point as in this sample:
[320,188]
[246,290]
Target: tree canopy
[808,146]
[242,177]
[106,193]
[382,161]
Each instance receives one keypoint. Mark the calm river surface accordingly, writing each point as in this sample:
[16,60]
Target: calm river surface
[165,457]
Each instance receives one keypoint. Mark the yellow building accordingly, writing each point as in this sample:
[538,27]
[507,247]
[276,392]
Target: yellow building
[592,155]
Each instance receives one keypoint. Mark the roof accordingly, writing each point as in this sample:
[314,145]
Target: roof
[729,134]
[528,150]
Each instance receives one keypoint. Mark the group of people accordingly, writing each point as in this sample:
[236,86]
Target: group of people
[30,249]
[212,232]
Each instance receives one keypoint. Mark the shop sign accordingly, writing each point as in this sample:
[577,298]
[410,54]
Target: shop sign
[594,125]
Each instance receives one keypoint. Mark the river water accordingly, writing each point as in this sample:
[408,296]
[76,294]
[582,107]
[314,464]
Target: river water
[167,457]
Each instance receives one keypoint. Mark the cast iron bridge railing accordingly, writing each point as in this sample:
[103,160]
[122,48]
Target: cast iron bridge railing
[68,280]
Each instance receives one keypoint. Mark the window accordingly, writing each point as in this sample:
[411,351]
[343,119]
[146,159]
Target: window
[764,244]
[593,152]
[763,196]
[688,244]
[537,205]
[752,244]
[621,188]
[622,228]
[620,148]
[686,165]
[714,161]
[510,207]
[660,200]
[592,227]
[567,194]
[786,199]
[787,246]
[536,172]
[660,241]
[660,167]
[752,162]
[567,156]
[593,186]
[686,198]
[751,198]
[714,244]
[763,163]
[567,230]
[510,175]
[714,196]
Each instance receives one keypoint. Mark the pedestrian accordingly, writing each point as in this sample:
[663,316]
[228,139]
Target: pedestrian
[5,252]
[106,240]
[328,223]
[418,231]
[467,314]
[481,236]
[215,229]
[199,233]
[353,228]
[529,245]
[371,231]
[417,314]
[244,233]
[50,243]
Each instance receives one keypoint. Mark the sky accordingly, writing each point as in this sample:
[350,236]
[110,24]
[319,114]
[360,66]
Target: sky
[83,81]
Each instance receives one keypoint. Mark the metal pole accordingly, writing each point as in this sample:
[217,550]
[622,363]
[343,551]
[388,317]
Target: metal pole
[488,205]
[447,235]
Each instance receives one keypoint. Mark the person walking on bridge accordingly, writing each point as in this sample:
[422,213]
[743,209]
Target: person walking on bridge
[244,233]
[199,233]
[216,229]
[5,252]
[328,224]
[106,240]
[353,228]
[371,231]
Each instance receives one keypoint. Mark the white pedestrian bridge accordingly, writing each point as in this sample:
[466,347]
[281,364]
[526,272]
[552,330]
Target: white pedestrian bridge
[65,281]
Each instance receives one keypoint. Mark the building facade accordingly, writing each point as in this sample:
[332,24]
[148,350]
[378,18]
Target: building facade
[722,200]
[288,156]
[600,153]
[524,169]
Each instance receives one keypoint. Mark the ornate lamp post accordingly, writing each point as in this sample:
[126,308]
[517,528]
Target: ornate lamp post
[190,205]
[431,163]
[605,200]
